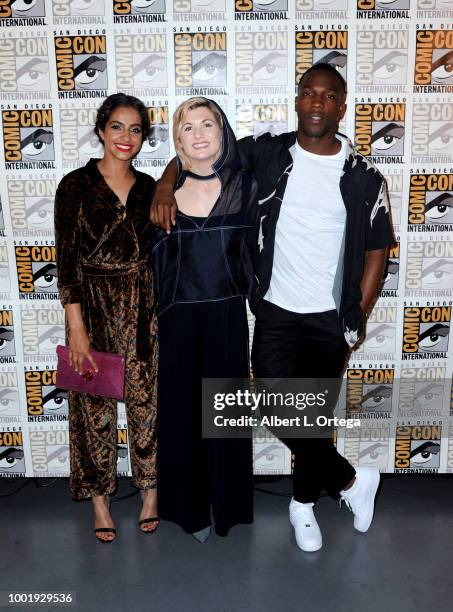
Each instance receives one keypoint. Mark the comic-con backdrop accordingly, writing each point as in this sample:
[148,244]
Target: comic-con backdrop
[60,58]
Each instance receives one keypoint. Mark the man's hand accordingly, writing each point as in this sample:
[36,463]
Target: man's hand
[372,276]
[163,207]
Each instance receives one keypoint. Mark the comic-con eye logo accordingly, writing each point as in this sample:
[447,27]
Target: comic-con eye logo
[36,271]
[380,332]
[257,119]
[12,462]
[273,9]
[138,7]
[427,397]
[368,445]
[7,343]
[425,454]
[31,203]
[42,330]
[43,396]
[57,459]
[24,65]
[395,8]
[157,144]
[141,62]
[327,47]
[261,62]
[433,59]
[431,201]
[31,11]
[63,8]
[374,453]
[432,132]
[89,144]
[200,62]
[430,266]
[379,131]
[57,455]
[270,457]
[9,394]
[369,392]
[81,64]
[381,59]
[28,137]
[417,447]
[425,332]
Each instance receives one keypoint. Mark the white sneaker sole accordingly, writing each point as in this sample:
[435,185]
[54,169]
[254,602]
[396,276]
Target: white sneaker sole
[305,547]
[309,548]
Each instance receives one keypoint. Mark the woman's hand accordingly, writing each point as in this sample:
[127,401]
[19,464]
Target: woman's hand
[79,341]
[79,350]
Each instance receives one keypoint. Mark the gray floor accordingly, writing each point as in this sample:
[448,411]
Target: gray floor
[403,563]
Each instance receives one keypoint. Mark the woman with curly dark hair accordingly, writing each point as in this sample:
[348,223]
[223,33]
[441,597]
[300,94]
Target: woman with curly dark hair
[106,288]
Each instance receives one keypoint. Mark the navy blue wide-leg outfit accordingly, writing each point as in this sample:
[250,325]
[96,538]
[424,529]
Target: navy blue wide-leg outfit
[204,272]
[205,339]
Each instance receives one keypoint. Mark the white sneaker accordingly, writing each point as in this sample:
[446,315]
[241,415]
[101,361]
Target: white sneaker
[302,518]
[361,496]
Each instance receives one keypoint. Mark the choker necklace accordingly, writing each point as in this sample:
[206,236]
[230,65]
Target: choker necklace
[200,177]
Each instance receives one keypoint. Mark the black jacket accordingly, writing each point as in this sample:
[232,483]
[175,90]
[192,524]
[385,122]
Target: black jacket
[210,259]
[367,226]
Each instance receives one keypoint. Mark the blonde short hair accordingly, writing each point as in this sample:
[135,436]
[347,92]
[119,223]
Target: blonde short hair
[178,119]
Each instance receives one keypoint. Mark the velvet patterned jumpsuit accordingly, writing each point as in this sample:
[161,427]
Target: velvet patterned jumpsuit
[101,259]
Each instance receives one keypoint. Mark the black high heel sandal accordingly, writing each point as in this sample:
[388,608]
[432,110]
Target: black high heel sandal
[105,529]
[146,521]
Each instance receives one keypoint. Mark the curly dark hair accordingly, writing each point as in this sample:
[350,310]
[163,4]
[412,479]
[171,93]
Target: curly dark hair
[326,68]
[116,101]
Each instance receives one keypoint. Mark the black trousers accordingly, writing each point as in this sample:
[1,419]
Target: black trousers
[196,475]
[293,345]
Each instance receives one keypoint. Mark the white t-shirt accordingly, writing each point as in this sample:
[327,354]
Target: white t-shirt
[309,233]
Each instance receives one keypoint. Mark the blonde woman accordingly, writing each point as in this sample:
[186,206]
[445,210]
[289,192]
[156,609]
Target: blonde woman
[203,273]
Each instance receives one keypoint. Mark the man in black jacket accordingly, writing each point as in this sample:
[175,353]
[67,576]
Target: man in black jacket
[323,235]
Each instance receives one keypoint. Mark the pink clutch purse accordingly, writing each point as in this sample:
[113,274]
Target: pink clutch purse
[107,382]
